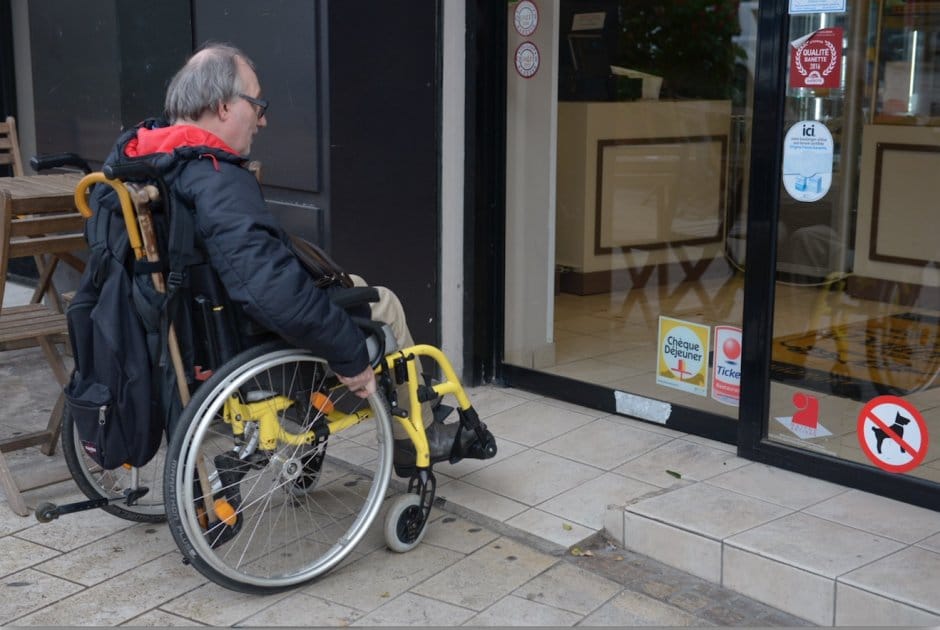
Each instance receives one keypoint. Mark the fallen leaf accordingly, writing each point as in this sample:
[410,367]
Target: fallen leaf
[385,594]
[566,527]
[576,551]
[588,553]
[619,558]
[674,474]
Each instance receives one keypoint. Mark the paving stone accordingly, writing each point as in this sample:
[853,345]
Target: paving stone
[74,530]
[30,590]
[570,588]
[457,534]
[708,601]
[635,609]
[409,609]
[486,575]
[122,597]
[300,610]
[216,606]
[160,619]
[114,554]
[17,554]
[369,582]
[517,611]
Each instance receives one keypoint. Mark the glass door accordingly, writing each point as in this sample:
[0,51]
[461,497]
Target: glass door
[856,325]
[628,126]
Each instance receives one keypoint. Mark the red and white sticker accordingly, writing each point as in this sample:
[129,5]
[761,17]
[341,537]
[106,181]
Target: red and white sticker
[726,367]
[804,423]
[526,18]
[893,434]
[816,59]
[527,59]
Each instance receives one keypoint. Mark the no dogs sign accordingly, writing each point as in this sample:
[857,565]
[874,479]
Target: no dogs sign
[893,434]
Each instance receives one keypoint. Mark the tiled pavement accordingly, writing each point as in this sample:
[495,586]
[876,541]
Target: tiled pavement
[498,551]
[95,569]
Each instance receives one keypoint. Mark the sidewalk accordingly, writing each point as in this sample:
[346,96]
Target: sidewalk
[94,569]
[499,551]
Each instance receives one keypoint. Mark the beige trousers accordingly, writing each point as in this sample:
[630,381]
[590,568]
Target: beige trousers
[389,310]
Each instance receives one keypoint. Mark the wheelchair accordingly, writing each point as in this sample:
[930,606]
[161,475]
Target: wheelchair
[275,472]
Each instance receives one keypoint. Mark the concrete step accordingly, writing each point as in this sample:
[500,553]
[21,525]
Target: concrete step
[819,551]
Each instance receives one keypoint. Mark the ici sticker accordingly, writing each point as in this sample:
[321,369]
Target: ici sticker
[683,355]
[807,161]
[726,368]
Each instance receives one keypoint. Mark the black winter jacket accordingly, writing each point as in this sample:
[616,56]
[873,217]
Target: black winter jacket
[242,240]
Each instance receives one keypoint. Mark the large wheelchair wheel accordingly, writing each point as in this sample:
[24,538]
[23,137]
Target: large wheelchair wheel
[97,483]
[287,511]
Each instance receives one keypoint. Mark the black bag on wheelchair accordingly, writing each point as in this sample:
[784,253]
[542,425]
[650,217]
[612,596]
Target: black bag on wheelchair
[109,395]
[122,392]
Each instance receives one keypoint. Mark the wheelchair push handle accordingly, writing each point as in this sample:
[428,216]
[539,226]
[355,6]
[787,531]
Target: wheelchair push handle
[131,171]
[56,160]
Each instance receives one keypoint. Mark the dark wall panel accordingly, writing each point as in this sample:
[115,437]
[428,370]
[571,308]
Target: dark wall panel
[155,39]
[76,76]
[100,65]
[384,183]
[7,73]
[281,38]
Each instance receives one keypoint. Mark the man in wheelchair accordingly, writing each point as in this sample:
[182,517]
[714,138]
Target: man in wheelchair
[214,107]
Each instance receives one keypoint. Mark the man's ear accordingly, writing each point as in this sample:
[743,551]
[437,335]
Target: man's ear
[221,110]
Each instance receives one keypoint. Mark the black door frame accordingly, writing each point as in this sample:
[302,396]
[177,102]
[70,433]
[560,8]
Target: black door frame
[485,237]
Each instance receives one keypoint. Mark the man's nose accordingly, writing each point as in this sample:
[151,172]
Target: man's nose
[263,121]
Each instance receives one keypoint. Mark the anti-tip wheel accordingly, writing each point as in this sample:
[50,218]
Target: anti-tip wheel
[405,524]
[47,512]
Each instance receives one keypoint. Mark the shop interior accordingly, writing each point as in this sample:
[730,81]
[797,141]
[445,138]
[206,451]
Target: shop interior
[653,116]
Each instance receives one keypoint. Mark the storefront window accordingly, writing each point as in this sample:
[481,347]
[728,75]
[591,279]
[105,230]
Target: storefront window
[856,321]
[627,152]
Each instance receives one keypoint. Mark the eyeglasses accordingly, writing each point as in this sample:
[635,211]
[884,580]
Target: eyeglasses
[260,103]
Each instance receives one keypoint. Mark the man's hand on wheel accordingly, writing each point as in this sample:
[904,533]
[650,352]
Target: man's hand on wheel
[362,384]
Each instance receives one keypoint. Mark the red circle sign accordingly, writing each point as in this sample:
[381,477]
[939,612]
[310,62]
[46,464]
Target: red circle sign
[893,434]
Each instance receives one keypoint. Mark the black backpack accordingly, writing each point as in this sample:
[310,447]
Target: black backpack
[122,392]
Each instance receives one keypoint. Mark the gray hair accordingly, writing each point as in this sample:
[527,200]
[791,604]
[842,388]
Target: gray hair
[208,78]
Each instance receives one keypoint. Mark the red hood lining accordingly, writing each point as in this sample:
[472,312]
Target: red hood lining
[168,139]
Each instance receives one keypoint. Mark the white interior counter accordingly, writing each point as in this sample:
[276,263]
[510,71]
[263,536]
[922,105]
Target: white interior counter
[640,183]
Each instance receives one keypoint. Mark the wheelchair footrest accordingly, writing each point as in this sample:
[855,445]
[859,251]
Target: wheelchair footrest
[483,447]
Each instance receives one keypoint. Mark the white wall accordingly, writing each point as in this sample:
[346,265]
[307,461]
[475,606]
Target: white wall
[452,182]
[25,118]
[531,138]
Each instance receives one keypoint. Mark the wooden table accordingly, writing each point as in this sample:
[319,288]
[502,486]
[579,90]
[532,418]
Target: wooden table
[37,218]
[32,194]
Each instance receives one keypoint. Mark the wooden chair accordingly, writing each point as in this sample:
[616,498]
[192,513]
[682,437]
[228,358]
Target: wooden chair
[51,226]
[10,146]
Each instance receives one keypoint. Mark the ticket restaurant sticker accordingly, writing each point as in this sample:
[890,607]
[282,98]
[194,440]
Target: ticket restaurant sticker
[816,59]
[683,355]
[726,368]
[893,434]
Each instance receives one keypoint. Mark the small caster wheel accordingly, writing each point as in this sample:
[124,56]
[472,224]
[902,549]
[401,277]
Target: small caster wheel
[47,512]
[405,524]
